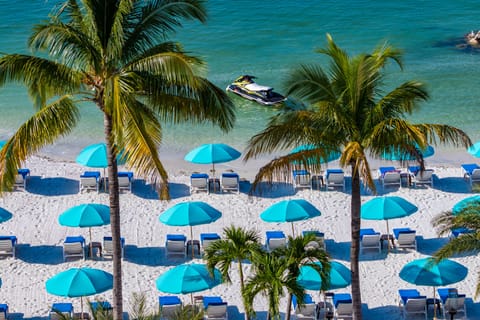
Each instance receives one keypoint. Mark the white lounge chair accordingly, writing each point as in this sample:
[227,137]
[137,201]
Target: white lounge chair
[90,180]
[199,182]
[422,178]
[175,245]
[302,179]
[343,306]
[415,306]
[73,247]
[7,245]
[405,238]
[391,178]
[108,246]
[125,180]
[335,178]
[21,178]
[169,306]
[275,239]
[306,312]
[216,311]
[207,239]
[370,240]
[471,172]
[455,303]
[61,311]
[230,181]
[319,238]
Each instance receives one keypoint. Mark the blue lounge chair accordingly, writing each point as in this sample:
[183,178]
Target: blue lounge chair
[207,238]
[412,303]
[452,300]
[175,245]
[215,308]
[342,303]
[405,238]
[275,239]
[7,245]
[73,246]
[335,178]
[230,181]
[389,176]
[306,312]
[90,180]
[370,239]
[471,172]
[104,306]
[21,178]
[125,180]
[3,311]
[420,177]
[302,179]
[60,310]
[459,231]
[319,237]
[207,300]
[169,305]
[108,246]
[199,182]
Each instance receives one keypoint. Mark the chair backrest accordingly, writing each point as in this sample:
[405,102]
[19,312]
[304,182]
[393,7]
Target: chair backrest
[475,176]
[19,181]
[230,183]
[108,246]
[424,176]
[89,183]
[392,178]
[125,183]
[344,309]
[73,249]
[303,180]
[406,238]
[275,243]
[371,240]
[455,303]
[169,311]
[336,178]
[307,310]
[6,247]
[217,311]
[175,247]
[416,305]
[199,182]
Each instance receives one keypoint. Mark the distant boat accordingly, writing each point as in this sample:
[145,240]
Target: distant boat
[245,87]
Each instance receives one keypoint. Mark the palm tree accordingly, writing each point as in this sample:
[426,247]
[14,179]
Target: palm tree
[236,245]
[271,277]
[297,255]
[112,54]
[347,108]
[469,218]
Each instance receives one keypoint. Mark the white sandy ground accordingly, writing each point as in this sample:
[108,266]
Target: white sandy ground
[53,188]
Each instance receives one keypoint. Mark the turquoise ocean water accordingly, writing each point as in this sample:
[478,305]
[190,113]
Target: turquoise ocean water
[268,39]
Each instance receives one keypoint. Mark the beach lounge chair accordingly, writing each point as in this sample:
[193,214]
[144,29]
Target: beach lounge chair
[306,312]
[405,238]
[389,176]
[369,240]
[3,311]
[21,178]
[471,172]
[215,308]
[456,232]
[275,239]
[90,180]
[199,182]
[108,246]
[335,178]
[342,303]
[74,247]
[125,180]
[419,177]
[175,245]
[302,179]
[319,237]
[169,305]
[207,238]
[61,310]
[103,307]
[230,181]
[7,245]
[451,300]
[412,303]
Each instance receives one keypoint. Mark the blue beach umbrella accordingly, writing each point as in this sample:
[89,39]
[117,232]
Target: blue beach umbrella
[394,154]
[290,211]
[190,213]
[425,272]
[95,156]
[5,215]
[79,282]
[86,216]
[188,278]
[333,155]
[474,150]
[386,208]
[465,203]
[340,277]
[2,143]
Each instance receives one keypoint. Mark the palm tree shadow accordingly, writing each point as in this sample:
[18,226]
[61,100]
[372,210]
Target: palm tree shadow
[52,186]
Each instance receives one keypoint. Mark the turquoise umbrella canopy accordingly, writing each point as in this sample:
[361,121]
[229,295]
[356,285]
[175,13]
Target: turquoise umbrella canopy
[2,143]
[5,215]
[290,211]
[190,214]
[79,282]
[95,156]
[463,204]
[385,208]
[474,150]
[188,278]
[331,156]
[340,277]
[86,215]
[212,153]
[425,272]
[396,155]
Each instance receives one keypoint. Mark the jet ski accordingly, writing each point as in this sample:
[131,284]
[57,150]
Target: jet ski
[245,87]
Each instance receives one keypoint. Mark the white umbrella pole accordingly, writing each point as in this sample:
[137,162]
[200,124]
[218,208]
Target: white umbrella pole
[90,248]
[214,181]
[388,238]
[293,231]
[191,240]
[81,308]
[434,306]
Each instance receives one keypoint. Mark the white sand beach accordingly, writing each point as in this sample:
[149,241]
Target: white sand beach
[53,188]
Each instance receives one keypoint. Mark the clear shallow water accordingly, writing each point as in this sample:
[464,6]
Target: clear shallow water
[268,39]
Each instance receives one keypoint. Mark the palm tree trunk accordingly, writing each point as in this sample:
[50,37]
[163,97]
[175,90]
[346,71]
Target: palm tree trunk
[114,220]
[246,307]
[355,247]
